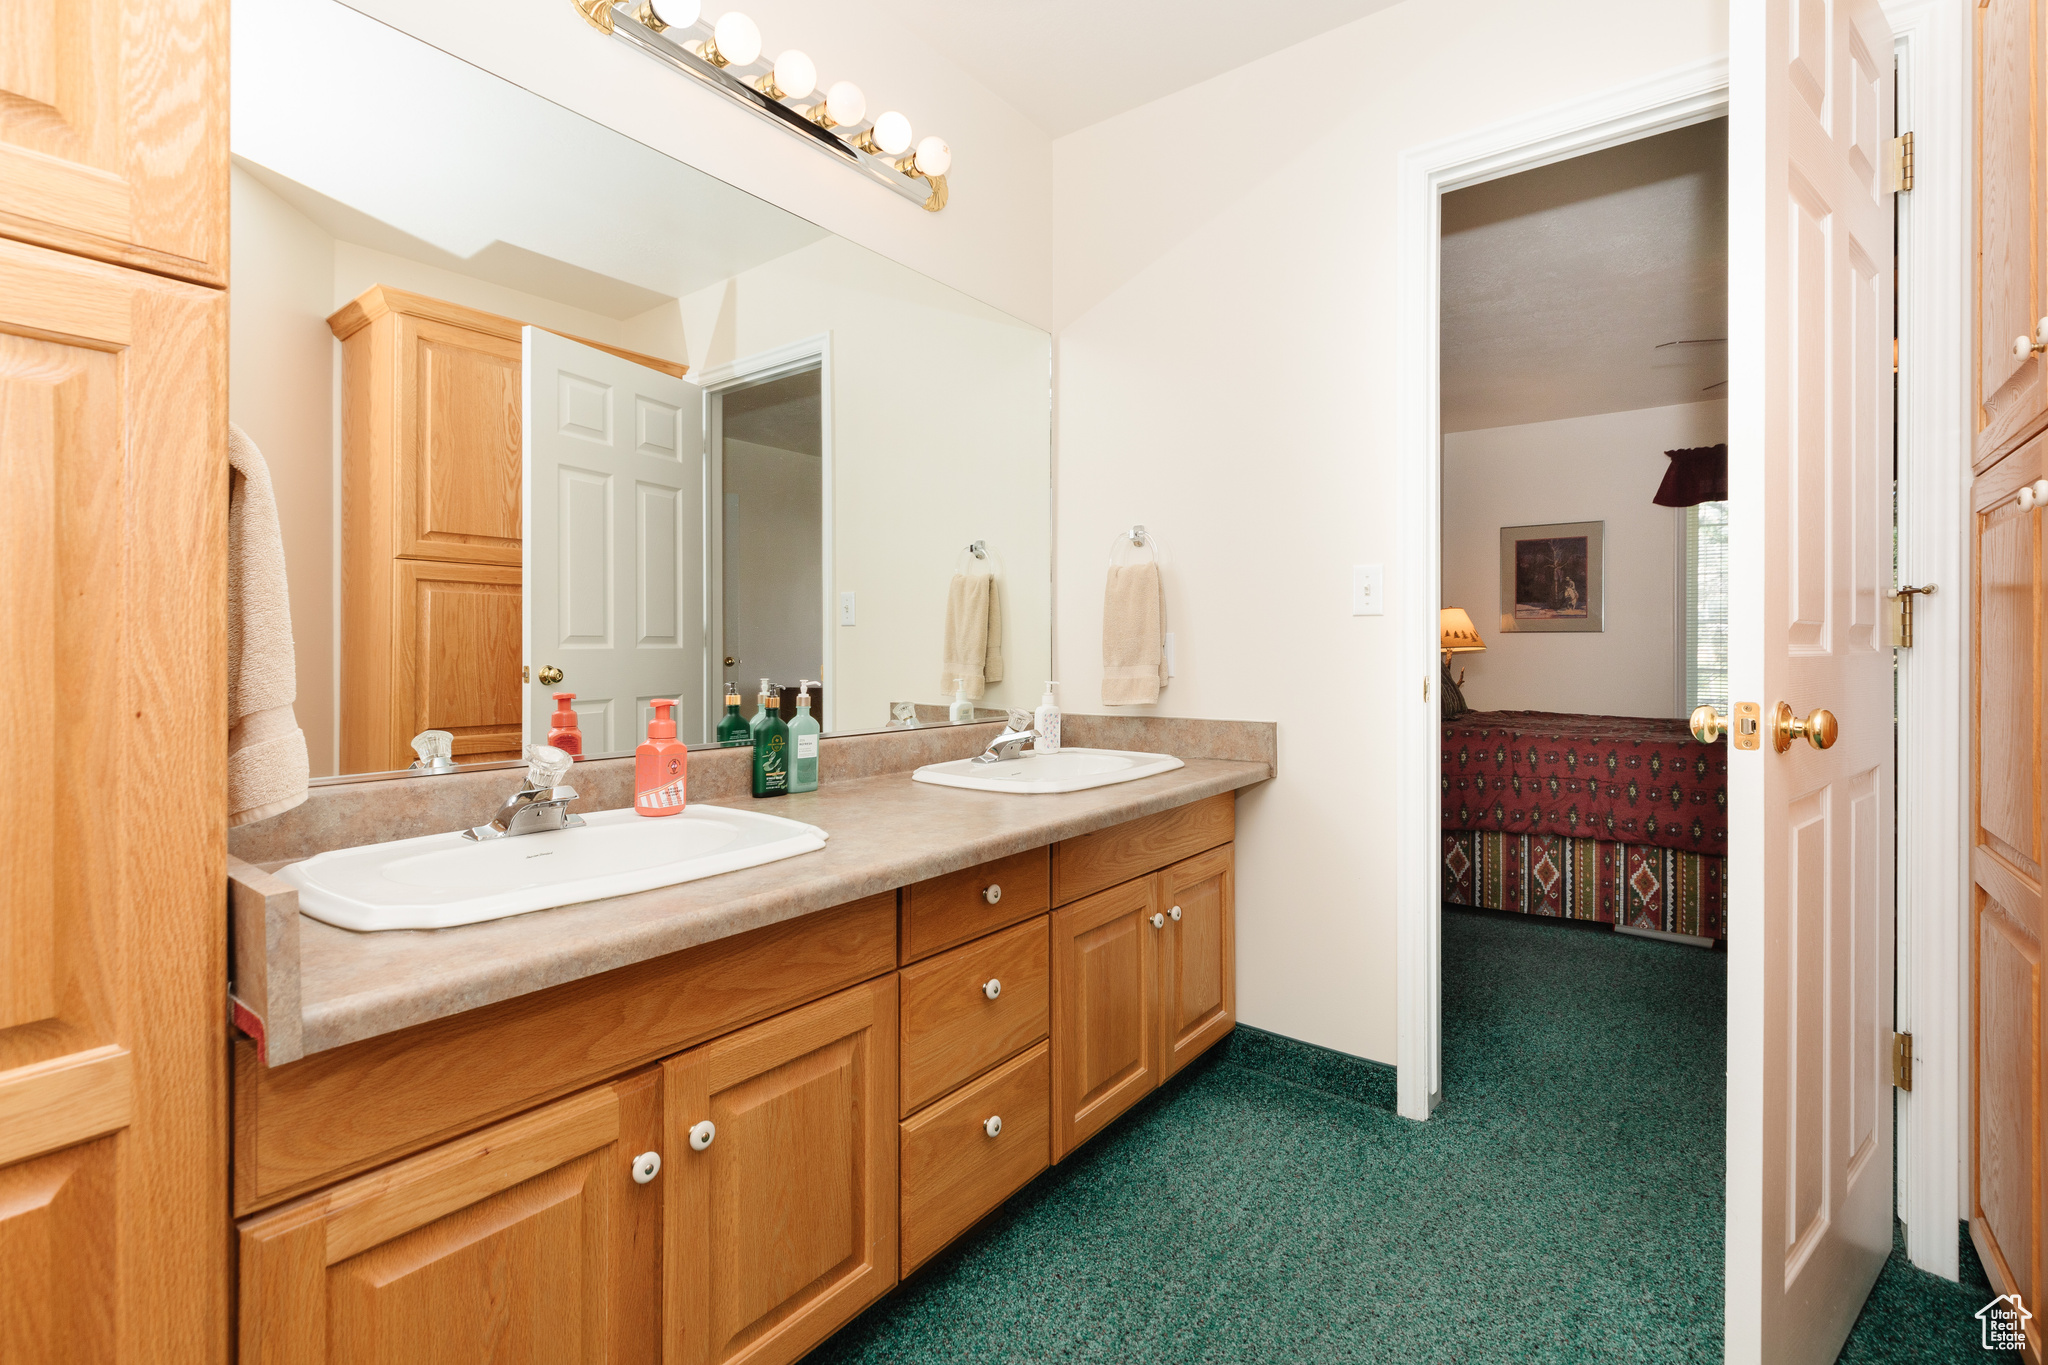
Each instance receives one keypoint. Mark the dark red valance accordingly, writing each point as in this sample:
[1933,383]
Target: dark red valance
[1695,476]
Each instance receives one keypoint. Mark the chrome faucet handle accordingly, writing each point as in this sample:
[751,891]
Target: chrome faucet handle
[1007,745]
[545,765]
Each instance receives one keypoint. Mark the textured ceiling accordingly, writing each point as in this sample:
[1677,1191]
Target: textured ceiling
[1065,64]
[1561,283]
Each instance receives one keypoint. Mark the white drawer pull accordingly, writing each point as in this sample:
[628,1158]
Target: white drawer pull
[1158,920]
[701,1134]
[993,894]
[994,1126]
[2027,498]
[992,987]
[646,1166]
[1174,914]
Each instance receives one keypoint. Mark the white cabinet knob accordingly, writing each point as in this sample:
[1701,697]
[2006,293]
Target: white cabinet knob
[2026,498]
[992,987]
[2022,347]
[993,894]
[646,1166]
[994,1126]
[1158,920]
[2041,492]
[1174,914]
[701,1134]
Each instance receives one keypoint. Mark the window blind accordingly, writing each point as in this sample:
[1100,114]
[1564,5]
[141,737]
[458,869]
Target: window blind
[1706,605]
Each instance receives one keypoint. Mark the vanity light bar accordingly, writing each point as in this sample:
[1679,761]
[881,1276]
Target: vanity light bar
[875,150]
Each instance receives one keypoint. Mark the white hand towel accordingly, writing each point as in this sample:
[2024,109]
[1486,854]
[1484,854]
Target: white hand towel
[266,749]
[1133,635]
[973,647]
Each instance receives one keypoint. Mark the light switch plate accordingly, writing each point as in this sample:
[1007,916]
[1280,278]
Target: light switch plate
[1368,589]
[846,609]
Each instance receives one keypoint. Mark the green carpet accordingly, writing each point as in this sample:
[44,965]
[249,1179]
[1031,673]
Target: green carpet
[1564,1204]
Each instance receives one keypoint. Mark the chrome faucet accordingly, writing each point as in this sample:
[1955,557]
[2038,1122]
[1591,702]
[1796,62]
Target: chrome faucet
[538,806]
[1007,745]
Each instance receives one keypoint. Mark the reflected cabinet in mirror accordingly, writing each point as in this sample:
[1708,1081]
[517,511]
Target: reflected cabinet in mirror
[560,426]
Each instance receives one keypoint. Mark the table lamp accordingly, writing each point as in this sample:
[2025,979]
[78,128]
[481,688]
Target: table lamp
[1459,637]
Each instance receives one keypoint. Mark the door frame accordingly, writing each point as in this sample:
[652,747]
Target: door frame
[1674,99]
[1932,45]
[810,353]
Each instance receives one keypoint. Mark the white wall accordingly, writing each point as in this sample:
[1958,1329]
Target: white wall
[994,238]
[1226,376]
[775,578]
[1603,468]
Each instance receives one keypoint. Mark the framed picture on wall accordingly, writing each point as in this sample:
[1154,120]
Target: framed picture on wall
[1551,577]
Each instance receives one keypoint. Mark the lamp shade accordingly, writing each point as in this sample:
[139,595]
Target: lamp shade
[1459,635]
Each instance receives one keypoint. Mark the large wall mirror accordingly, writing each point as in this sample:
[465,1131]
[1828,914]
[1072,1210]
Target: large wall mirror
[551,412]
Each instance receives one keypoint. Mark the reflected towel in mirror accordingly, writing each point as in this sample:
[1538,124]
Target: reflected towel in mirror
[266,749]
[974,635]
[1133,635]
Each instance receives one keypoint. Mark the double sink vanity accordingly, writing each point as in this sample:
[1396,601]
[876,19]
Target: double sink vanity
[713,1119]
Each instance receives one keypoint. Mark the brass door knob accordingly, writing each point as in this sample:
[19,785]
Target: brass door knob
[1818,729]
[729,661]
[1707,724]
[549,675]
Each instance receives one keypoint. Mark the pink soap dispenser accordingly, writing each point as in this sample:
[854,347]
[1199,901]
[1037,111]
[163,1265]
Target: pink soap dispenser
[661,765]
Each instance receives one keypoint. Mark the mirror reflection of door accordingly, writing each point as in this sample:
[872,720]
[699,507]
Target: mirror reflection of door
[770,471]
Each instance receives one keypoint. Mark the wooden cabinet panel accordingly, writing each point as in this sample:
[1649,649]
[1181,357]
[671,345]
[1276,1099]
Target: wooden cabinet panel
[1105,1010]
[955,1170]
[530,1241]
[955,908]
[59,1217]
[113,500]
[458,659]
[2007,1161]
[1198,977]
[1093,862]
[458,454]
[2012,295]
[337,1112]
[783,1225]
[113,131]
[952,1030]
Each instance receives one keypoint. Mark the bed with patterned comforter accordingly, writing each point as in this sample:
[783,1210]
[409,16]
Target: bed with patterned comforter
[1618,819]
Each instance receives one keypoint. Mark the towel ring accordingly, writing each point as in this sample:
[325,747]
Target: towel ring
[979,551]
[1139,536]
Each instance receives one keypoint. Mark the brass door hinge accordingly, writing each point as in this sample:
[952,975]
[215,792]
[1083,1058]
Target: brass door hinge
[1902,615]
[1902,162]
[1902,1060]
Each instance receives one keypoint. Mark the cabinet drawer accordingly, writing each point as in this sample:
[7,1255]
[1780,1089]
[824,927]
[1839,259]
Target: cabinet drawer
[1095,862]
[954,1171]
[952,1030]
[955,908]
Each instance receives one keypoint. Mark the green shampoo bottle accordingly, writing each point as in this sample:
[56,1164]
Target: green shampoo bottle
[771,746]
[733,732]
[803,744]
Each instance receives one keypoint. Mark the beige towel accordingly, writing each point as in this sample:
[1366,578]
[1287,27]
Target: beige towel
[1133,635]
[973,649]
[266,749]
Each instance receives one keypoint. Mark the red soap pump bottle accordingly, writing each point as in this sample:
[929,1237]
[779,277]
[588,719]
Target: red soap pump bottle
[563,732]
[661,765]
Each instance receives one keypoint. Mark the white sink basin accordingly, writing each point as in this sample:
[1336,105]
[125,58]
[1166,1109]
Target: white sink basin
[440,880]
[1069,770]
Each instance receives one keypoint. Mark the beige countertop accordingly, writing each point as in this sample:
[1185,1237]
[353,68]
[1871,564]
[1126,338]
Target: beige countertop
[886,831]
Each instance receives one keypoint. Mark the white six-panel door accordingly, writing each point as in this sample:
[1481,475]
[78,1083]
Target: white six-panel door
[613,550]
[1810,862]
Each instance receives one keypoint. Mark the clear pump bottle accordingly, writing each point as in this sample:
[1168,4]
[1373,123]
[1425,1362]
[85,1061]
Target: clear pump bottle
[803,744]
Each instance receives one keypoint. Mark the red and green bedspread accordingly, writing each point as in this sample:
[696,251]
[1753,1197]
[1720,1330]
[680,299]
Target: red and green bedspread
[1617,819]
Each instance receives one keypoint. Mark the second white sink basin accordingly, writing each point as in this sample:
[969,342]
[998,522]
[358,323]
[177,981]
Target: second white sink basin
[440,880]
[1069,770]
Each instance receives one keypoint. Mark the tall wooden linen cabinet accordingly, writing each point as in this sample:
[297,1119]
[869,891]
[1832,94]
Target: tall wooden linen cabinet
[2008,1205]
[113,551]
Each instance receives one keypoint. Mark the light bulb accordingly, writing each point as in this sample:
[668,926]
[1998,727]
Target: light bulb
[674,13]
[843,104]
[891,134]
[934,157]
[794,77]
[737,39]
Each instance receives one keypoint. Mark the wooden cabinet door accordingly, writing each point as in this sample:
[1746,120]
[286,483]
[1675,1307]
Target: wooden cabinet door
[530,1241]
[2012,248]
[113,131]
[1198,961]
[1105,1009]
[2010,1063]
[456,494]
[782,1214]
[113,951]
[457,664]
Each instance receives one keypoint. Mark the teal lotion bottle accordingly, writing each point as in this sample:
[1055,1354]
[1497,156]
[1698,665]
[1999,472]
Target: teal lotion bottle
[771,746]
[733,732]
[803,744]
